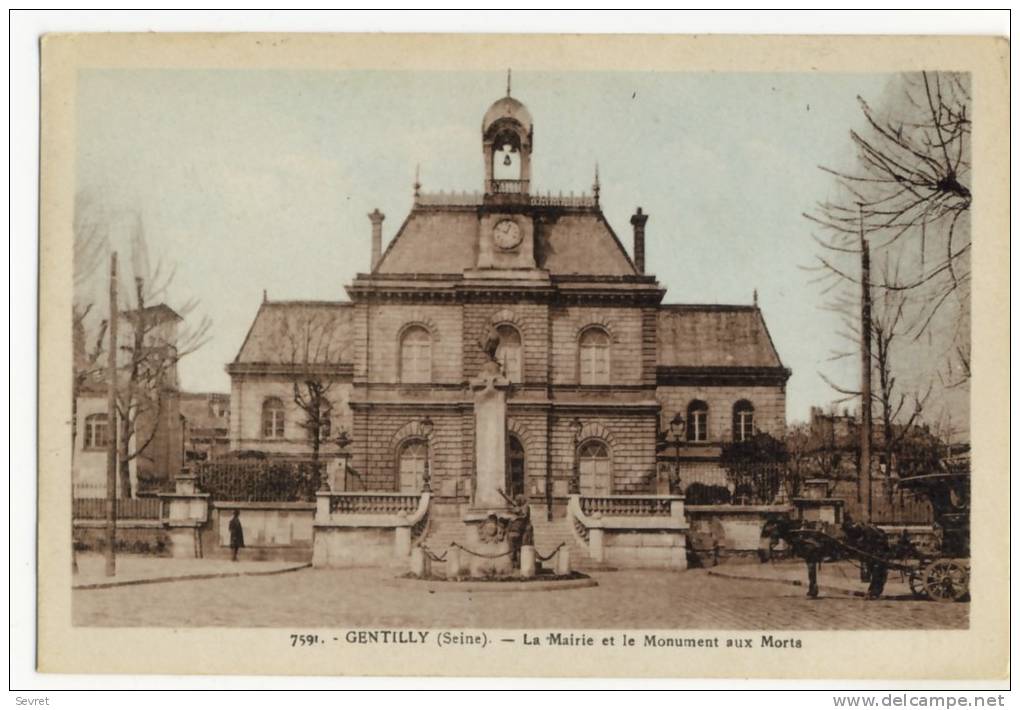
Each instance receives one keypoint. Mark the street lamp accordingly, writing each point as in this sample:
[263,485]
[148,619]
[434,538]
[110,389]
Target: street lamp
[426,426]
[677,426]
[343,440]
[575,478]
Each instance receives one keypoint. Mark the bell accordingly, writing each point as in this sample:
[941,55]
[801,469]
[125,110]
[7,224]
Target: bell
[506,160]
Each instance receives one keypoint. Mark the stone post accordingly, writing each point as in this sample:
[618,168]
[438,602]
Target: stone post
[452,563]
[402,541]
[322,499]
[527,561]
[188,513]
[418,562]
[595,548]
[563,561]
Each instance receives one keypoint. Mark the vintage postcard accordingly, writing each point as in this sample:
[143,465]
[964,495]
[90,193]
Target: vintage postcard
[524,356]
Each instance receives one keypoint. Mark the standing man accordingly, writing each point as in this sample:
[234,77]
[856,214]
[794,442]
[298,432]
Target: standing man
[236,535]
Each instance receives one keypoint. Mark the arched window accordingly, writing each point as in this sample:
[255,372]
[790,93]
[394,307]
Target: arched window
[509,354]
[411,466]
[272,418]
[697,421]
[594,357]
[595,468]
[97,431]
[743,420]
[515,466]
[416,356]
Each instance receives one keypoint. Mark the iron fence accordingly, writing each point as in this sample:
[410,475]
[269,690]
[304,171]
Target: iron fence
[889,506]
[127,508]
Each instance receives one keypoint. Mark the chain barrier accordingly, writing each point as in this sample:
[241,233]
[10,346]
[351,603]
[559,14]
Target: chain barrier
[432,555]
[545,558]
[479,554]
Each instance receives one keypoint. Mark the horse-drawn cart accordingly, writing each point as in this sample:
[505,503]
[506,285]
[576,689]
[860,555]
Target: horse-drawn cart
[938,571]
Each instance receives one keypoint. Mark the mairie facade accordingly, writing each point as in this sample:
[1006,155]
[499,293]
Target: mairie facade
[599,364]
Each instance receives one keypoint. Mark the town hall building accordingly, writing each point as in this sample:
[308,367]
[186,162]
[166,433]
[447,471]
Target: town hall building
[612,389]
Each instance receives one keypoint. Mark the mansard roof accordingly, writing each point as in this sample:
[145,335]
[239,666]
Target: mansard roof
[714,336]
[299,333]
[573,238]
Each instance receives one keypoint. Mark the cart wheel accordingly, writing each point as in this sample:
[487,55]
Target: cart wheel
[946,580]
[916,580]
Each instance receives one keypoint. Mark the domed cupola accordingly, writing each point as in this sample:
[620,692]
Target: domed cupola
[506,143]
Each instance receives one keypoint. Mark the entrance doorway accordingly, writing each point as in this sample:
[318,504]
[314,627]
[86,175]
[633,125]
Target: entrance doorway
[514,467]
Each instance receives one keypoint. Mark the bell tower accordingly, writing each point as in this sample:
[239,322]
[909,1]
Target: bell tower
[507,133]
[506,228]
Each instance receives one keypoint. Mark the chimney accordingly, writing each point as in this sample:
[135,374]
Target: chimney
[638,220]
[377,218]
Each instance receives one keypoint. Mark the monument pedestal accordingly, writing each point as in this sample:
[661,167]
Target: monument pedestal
[489,390]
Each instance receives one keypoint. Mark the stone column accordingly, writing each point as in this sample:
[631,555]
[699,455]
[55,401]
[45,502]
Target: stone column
[489,391]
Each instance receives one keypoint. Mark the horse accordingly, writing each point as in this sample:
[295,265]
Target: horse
[813,549]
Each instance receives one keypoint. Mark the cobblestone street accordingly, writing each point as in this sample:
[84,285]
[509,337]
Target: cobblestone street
[372,597]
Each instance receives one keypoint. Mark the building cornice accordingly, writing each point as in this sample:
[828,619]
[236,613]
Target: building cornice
[721,376]
[341,370]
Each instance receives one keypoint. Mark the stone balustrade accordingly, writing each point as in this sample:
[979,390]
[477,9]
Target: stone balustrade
[631,531]
[633,505]
[373,503]
[354,529]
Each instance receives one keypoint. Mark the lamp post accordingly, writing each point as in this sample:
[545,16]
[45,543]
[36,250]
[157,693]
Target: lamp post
[426,427]
[677,426]
[342,442]
[575,476]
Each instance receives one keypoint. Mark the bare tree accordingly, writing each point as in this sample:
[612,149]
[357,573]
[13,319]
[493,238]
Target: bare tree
[311,347]
[910,194]
[157,338]
[91,246]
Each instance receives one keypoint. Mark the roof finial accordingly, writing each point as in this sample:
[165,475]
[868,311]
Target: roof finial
[417,180]
[265,296]
[508,81]
[756,298]
[597,186]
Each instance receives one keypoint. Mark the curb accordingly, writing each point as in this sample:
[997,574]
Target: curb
[791,582]
[188,578]
[471,587]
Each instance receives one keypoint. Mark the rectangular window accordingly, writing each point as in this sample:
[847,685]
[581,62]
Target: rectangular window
[698,426]
[97,432]
[745,425]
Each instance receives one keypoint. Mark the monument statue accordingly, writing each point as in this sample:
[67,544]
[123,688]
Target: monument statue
[489,344]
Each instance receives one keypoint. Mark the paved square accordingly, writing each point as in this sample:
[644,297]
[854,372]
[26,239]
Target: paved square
[627,599]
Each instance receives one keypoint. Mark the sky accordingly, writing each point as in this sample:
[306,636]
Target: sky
[247,180]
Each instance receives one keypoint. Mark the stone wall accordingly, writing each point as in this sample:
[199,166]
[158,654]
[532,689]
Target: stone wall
[381,430]
[631,442]
[530,319]
[627,361]
[385,325]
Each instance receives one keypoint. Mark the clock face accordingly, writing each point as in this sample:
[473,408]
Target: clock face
[506,234]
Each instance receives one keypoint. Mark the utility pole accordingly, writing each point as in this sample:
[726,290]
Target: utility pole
[864,475]
[111,420]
